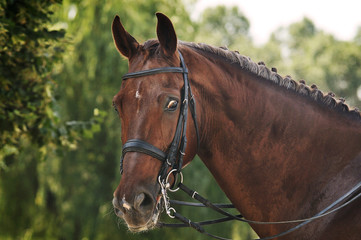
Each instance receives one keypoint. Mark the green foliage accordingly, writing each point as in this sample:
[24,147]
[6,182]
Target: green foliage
[28,52]
[301,31]
[319,58]
[357,38]
[222,25]
[31,128]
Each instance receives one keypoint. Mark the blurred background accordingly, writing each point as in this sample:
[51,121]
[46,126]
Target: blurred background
[60,138]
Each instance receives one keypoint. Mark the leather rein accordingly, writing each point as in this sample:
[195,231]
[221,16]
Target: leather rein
[173,159]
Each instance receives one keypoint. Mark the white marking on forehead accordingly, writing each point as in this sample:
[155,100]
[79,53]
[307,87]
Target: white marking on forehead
[137,95]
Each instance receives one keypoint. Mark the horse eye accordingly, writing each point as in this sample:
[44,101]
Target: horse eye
[172,105]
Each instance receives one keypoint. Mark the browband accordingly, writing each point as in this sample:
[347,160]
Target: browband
[154,71]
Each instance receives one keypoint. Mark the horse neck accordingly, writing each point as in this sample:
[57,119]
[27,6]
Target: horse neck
[267,146]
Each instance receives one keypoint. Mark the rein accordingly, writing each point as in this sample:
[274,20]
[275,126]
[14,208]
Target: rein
[173,160]
[348,197]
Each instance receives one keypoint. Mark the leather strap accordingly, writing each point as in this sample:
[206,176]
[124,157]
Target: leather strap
[152,72]
[347,198]
[202,223]
[137,145]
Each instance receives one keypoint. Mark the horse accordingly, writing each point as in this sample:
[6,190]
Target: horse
[279,149]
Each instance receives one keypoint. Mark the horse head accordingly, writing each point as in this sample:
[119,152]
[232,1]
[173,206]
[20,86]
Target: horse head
[150,106]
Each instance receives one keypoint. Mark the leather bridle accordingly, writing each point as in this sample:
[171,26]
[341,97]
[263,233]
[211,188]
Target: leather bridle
[172,160]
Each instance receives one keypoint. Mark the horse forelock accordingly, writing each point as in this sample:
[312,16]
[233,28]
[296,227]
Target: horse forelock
[151,50]
[312,92]
[151,45]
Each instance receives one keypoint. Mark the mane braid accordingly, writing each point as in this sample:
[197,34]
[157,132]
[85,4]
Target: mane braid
[287,82]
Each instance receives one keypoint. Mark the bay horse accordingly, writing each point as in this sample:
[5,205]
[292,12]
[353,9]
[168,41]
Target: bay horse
[278,148]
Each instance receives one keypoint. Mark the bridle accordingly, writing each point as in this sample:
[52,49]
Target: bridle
[172,161]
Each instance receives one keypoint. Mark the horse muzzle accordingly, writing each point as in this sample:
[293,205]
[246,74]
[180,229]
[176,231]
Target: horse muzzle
[141,214]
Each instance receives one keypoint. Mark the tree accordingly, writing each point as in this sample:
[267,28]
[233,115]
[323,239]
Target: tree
[320,58]
[357,38]
[29,49]
[301,31]
[222,25]
[31,128]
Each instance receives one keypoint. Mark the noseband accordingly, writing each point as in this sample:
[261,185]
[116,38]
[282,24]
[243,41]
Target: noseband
[173,158]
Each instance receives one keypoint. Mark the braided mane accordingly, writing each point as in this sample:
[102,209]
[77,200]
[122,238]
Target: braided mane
[287,82]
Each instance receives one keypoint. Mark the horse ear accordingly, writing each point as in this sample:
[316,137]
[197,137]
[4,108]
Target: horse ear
[125,43]
[166,35]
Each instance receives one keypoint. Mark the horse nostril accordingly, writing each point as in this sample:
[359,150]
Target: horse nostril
[118,209]
[143,202]
[118,212]
[138,200]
